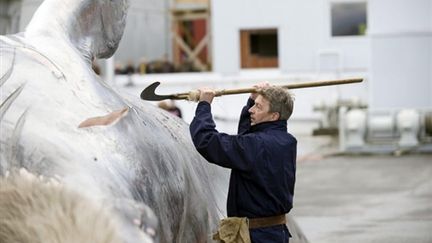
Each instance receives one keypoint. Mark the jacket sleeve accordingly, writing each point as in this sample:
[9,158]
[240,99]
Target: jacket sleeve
[230,151]
[244,121]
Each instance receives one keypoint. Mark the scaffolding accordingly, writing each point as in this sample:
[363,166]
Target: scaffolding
[191,35]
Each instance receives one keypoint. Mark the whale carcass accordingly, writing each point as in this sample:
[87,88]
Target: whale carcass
[61,122]
[142,156]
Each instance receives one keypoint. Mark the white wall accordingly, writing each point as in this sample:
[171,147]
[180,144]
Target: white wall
[303,29]
[395,56]
[401,42]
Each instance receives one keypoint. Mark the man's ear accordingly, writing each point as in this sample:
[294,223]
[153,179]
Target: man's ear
[275,116]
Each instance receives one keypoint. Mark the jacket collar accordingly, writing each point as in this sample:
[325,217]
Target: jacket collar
[277,125]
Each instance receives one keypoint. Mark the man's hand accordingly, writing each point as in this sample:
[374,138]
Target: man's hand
[259,86]
[207,94]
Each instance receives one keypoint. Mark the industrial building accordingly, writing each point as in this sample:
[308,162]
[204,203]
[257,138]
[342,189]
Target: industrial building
[231,44]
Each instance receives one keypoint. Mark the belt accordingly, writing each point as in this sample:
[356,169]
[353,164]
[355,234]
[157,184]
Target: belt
[267,221]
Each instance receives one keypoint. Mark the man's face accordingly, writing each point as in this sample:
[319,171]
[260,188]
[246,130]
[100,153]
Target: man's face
[260,112]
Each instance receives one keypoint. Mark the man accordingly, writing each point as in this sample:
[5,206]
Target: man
[262,158]
[171,107]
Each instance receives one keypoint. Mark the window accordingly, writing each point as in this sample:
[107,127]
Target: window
[259,48]
[348,19]
[264,44]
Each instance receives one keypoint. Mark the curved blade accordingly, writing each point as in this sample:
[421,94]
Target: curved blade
[149,93]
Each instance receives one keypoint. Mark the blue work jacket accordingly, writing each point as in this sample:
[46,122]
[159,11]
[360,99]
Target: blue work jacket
[262,159]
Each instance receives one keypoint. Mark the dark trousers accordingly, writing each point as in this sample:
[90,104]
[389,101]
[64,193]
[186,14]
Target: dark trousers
[273,234]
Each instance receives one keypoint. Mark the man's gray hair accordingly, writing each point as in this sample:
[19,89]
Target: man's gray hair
[280,99]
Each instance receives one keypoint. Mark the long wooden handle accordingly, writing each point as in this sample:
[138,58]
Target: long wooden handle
[192,96]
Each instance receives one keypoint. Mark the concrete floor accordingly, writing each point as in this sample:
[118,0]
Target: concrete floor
[364,198]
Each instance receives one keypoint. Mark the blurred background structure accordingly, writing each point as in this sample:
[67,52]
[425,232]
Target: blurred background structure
[230,44]
[187,44]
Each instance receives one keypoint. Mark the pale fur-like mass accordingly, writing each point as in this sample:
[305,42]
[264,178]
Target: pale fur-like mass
[35,210]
